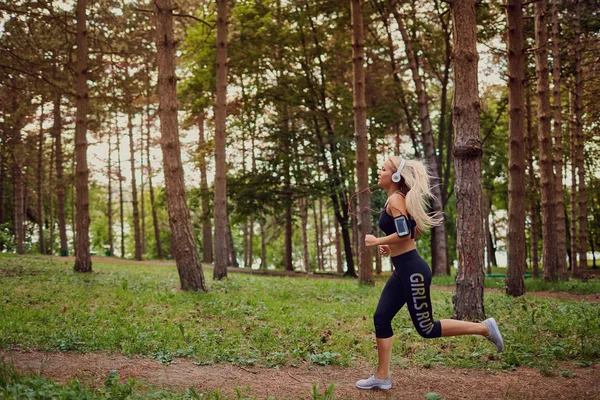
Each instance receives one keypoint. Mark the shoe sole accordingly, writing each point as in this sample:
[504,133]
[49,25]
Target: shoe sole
[383,387]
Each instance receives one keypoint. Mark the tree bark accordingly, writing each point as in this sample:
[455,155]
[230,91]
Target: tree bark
[559,211]
[263,245]
[517,264]
[40,180]
[159,252]
[51,188]
[111,246]
[134,197]
[580,143]
[573,198]
[318,251]
[338,249]
[83,260]
[16,149]
[60,178]
[365,261]
[439,240]
[220,201]
[207,245]
[3,151]
[468,299]
[231,253]
[545,143]
[303,223]
[121,197]
[142,195]
[183,246]
[533,189]
[486,205]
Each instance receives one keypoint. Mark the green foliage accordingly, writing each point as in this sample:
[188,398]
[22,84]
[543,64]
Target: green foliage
[327,395]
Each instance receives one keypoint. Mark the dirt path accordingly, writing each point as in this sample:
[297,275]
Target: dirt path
[296,383]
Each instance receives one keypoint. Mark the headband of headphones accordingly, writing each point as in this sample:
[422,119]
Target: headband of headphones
[396,176]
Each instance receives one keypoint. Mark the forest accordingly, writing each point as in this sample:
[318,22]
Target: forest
[144,143]
[246,134]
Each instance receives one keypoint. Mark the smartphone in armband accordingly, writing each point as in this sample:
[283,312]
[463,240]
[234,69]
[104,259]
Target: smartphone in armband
[402,228]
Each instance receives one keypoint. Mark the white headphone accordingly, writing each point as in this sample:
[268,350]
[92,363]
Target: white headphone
[396,176]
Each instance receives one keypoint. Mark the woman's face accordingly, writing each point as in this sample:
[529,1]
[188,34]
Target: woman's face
[385,174]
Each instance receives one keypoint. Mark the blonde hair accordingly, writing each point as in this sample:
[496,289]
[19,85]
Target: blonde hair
[416,177]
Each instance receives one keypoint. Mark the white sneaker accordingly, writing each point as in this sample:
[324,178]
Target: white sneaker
[495,336]
[374,383]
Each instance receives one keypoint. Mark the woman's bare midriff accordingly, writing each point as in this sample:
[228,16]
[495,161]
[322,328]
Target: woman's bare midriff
[401,248]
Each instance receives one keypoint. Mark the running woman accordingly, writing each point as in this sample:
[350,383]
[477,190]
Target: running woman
[403,219]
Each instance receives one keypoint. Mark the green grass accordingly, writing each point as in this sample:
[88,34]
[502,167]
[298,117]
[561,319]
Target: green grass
[265,321]
[533,285]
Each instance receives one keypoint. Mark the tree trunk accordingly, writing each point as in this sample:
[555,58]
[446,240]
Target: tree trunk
[303,223]
[183,246]
[338,249]
[73,205]
[231,253]
[545,143]
[318,251]
[580,143]
[159,252]
[559,210]
[573,198]
[533,189]
[468,299]
[439,241]
[365,262]
[517,264]
[3,150]
[142,200]
[220,201]
[321,236]
[111,247]
[251,241]
[40,186]
[136,213]
[60,179]
[263,246]
[207,246]
[121,198]
[51,188]
[83,260]
[486,205]
[17,173]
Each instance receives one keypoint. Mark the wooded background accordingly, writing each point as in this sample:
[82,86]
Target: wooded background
[293,106]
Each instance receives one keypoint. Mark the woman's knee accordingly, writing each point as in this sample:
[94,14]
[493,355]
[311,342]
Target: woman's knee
[429,329]
[383,325]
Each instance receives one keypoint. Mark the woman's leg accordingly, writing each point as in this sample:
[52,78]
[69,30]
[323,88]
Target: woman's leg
[384,354]
[453,327]
[390,302]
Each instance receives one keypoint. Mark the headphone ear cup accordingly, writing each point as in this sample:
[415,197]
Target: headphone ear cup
[396,177]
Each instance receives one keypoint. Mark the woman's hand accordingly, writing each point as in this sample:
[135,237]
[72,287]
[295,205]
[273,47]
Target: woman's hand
[384,249]
[370,240]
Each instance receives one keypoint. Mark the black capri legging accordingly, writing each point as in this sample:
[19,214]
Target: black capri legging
[409,284]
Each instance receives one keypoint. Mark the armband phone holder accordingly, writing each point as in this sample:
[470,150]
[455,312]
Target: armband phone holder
[404,227]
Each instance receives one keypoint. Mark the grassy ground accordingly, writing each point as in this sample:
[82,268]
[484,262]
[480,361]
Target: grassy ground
[269,321]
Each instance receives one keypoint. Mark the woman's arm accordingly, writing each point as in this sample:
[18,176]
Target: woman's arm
[371,240]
